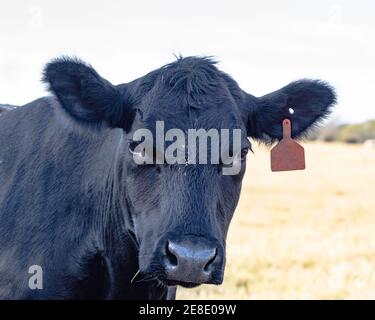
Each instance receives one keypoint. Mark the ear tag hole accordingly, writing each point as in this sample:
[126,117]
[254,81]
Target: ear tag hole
[291,111]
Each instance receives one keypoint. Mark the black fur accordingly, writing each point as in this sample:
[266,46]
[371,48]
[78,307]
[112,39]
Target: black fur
[83,93]
[6,107]
[311,101]
[73,201]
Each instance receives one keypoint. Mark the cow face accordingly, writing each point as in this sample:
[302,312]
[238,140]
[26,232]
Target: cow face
[179,212]
[182,210]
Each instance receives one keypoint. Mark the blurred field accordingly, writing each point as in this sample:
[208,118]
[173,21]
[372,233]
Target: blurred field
[304,234]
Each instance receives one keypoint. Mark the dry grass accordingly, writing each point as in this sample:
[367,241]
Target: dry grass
[304,234]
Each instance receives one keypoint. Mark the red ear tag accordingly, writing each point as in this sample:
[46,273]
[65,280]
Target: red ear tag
[287,154]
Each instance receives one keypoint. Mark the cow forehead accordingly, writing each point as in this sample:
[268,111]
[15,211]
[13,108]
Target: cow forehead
[189,93]
[178,110]
[192,119]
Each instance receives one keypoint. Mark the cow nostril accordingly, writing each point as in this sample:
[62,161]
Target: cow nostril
[171,257]
[211,260]
[192,261]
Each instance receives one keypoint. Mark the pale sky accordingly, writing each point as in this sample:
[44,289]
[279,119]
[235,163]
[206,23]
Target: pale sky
[262,44]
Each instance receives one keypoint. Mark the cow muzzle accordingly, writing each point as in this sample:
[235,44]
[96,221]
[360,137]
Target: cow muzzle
[193,261]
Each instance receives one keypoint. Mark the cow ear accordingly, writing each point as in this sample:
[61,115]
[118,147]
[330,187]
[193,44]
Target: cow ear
[84,93]
[304,102]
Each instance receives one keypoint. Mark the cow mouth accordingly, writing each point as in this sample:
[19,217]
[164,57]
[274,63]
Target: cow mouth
[172,283]
[163,281]
[186,284]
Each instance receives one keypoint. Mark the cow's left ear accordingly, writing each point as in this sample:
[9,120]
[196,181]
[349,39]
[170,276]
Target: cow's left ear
[84,93]
[304,102]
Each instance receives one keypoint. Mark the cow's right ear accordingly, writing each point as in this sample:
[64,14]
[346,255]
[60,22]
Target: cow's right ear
[84,93]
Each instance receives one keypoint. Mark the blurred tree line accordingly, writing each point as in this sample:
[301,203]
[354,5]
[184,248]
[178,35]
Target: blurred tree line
[349,133]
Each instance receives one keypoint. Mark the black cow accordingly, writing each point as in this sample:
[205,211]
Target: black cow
[74,202]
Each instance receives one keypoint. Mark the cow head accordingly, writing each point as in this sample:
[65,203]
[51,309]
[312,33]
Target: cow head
[179,213]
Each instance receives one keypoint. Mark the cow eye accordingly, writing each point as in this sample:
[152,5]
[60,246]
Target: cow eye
[244,153]
[140,155]
[132,146]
